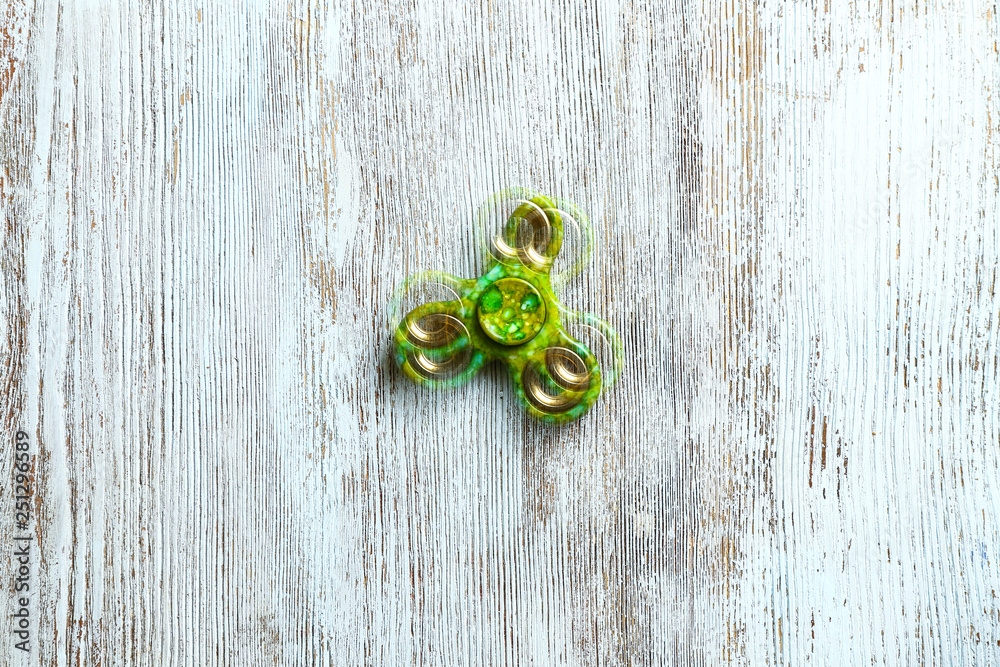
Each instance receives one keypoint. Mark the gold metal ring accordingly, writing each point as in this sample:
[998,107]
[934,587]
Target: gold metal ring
[568,371]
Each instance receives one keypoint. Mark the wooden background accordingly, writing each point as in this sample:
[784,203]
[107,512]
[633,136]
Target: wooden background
[206,207]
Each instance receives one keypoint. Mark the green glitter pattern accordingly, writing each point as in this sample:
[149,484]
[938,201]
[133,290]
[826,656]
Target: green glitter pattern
[511,311]
[511,314]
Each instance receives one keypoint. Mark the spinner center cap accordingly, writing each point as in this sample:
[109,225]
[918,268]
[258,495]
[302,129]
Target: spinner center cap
[511,311]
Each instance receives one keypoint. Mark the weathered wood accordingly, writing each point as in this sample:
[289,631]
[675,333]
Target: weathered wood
[797,207]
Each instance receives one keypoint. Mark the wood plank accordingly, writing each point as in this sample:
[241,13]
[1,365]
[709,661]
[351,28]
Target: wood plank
[797,211]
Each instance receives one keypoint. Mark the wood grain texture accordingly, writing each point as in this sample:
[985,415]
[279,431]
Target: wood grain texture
[208,205]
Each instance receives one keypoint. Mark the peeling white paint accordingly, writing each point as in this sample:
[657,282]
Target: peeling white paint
[796,210]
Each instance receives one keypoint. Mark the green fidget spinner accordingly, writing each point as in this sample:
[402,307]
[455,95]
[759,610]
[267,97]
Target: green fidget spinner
[511,313]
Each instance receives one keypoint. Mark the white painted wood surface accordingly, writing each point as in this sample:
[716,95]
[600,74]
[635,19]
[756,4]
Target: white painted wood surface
[207,205]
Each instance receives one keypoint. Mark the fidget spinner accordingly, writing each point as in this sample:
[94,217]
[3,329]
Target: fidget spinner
[511,314]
